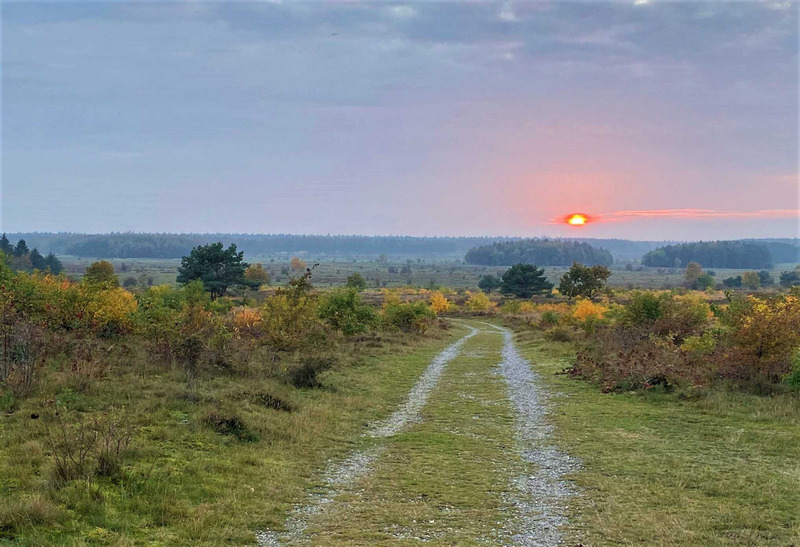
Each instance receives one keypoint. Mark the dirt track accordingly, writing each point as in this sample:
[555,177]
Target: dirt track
[533,508]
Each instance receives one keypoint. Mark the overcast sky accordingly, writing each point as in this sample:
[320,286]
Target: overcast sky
[659,119]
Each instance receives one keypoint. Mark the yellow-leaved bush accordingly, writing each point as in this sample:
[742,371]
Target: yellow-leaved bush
[439,302]
[478,301]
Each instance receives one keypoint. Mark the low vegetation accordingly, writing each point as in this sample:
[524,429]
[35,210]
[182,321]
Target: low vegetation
[126,412]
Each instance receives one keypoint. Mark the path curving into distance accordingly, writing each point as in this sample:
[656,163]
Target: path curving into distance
[539,498]
[341,475]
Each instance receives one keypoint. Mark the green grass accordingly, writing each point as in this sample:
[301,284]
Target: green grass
[183,483]
[719,469]
[442,480]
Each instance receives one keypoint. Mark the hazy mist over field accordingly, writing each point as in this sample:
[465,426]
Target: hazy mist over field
[664,120]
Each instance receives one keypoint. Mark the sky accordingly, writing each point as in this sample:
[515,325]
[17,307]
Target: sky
[658,120]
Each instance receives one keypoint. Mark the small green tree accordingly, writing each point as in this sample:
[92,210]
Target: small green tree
[766,278]
[704,282]
[524,281]
[790,278]
[101,273]
[218,268]
[489,283]
[751,280]
[255,275]
[582,280]
[693,271]
[356,281]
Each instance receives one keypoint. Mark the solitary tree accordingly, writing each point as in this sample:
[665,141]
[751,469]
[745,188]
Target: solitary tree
[583,280]
[766,278]
[101,273]
[216,267]
[297,264]
[751,280]
[790,278]
[704,282]
[693,271]
[356,281]
[489,283]
[255,275]
[524,281]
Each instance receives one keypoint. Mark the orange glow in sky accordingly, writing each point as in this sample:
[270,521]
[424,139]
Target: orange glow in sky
[577,220]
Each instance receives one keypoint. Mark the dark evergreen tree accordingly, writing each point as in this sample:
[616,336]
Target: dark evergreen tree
[489,283]
[37,260]
[218,268]
[21,249]
[524,281]
[5,245]
[766,279]
[53,264]
[790,279]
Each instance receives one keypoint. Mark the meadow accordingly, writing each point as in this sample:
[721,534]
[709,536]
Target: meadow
[162,415]
[425,272]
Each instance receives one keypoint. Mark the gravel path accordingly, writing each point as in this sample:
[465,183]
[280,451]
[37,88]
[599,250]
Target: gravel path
[341,475]
[540,498]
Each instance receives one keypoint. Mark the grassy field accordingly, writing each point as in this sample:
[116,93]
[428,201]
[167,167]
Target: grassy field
[453,273]
[718,469]
[185,483]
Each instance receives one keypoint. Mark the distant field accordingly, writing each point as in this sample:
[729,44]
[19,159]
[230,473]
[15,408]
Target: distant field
[425,273]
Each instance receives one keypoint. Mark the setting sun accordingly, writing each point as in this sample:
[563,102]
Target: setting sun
[577,220]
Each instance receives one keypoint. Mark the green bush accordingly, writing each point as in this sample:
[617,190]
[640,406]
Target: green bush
[408,316]
[343,310]
[230,425]
[793,378]
[306,373]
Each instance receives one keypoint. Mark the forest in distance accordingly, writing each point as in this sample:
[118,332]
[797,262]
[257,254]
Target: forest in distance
[589,250]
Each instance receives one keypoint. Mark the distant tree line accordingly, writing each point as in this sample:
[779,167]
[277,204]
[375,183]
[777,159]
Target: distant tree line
[130,245]
[20,257]
[712,254]
[163,245]
[543,252]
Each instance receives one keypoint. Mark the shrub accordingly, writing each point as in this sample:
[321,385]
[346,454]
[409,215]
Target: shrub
[478,302]
[305,375]
[763,335]
[587,310]
[439,303]
[343,310]
[644,308]
[407,316]
[268,400]
[559,334]
[793,377]
[80,447]
[356,281]
[549,318]
[625,358]
[290,318]
[230,425]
